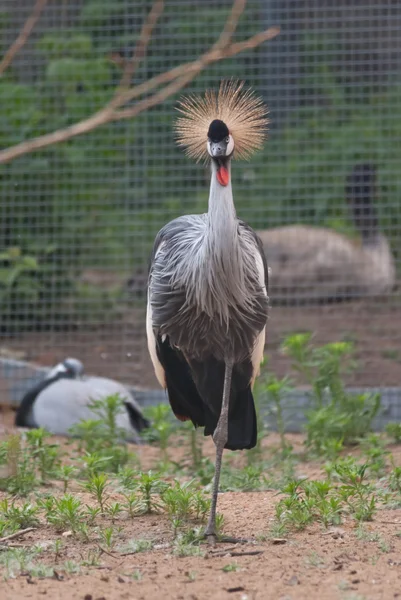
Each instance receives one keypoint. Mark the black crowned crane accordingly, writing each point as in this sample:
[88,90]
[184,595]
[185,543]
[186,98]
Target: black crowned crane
[207,297]
[62,399]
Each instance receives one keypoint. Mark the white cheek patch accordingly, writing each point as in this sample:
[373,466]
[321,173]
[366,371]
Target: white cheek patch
[208,147]
[230,145]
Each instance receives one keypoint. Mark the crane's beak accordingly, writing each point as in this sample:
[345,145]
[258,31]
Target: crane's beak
[223,174]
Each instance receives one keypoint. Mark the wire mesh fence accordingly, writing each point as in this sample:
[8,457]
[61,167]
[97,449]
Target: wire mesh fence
[77,219]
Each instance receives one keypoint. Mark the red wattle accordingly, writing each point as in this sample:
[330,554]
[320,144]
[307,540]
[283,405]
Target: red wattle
[223,176]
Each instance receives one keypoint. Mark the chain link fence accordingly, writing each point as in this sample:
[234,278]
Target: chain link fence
[77,219]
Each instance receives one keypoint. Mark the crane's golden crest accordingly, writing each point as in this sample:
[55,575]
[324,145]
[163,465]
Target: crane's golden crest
[244,113]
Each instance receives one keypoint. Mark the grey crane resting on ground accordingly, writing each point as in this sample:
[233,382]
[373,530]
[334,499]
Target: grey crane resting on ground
[207,296]
[62,399]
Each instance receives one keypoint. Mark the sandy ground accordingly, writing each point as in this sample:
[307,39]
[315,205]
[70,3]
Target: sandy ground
[315,564]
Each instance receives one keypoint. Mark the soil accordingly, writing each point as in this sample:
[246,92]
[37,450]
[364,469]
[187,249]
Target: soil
[120,350]
[315,564]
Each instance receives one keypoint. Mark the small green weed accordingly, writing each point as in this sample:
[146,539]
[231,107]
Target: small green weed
[394,431]
[19,517]
[337,415]
[162,427]
[246,479]
[148,485]
[276,390]
[102,437]
[65,513]
[97,486]
[230,568]
[136,546]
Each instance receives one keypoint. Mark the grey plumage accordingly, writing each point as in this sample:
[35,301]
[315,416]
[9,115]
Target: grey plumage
[62,399]
[205,278]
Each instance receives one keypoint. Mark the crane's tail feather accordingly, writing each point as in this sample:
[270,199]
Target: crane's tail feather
[209,379]
[195,391]
[183,396]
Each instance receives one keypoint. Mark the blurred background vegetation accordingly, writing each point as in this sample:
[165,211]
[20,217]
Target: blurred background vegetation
[97,201]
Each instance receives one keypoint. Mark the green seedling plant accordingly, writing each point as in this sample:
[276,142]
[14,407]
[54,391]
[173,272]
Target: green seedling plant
[107,537]
[336,414]
[45,456]
[131,504]
[276,391]
[93,464]
[148,486]
[195,444]
[355,492]
[66,473]
[135,546]
[178,500]
[97,486]
[255,455]
[19,560]
[127,477]
[162,427]
[230,568]
[102,437]
[375,454]
[394,478]
[394,431]
[114,510]
[92,513]
[65,513]
[182,502]
[247,479]
[19,517]
[21,477]
[188,542]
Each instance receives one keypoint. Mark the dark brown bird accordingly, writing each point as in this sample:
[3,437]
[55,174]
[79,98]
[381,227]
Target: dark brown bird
[318,264]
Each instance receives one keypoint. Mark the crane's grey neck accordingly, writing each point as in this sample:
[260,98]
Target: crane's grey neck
[220,277]
[222,218]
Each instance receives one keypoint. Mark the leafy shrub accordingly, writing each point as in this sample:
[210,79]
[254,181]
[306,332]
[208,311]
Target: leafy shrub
[336,415]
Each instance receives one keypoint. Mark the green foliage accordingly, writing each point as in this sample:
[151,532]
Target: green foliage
[162,427]
[276,389]
[18,517]
[147,486]
[103,441]
[183,501]
[394,480]
[337,417]
[246,479]
[65,513]
[394,431]
[308,501]
[97,486]
[30,461]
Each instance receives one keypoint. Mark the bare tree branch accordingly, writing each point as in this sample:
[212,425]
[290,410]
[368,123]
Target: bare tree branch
[140,49]
[231,25]
[23,35]
[173,81]
[187,72]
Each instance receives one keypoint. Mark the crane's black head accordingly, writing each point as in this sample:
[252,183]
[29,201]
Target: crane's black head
[218,131]
[70,368]
[220,145]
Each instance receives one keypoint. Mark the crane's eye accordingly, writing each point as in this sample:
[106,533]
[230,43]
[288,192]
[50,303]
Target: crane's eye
[227,140]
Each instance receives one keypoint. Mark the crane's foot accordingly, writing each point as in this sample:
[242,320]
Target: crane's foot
[213,538]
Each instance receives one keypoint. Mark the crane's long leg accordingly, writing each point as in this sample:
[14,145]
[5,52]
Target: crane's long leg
[220,438]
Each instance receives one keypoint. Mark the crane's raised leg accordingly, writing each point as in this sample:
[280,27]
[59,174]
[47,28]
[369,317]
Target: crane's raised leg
[220,437]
